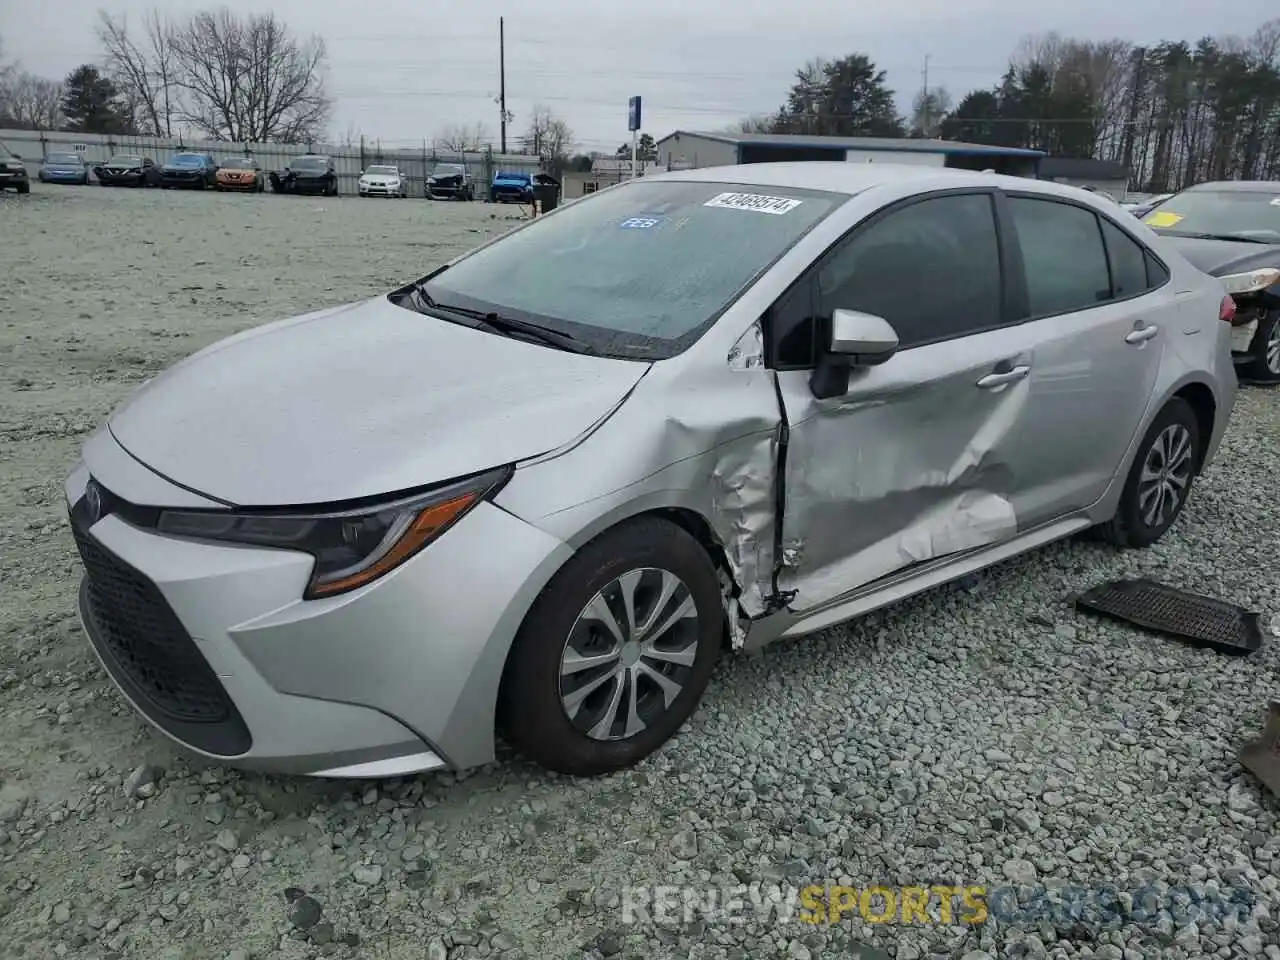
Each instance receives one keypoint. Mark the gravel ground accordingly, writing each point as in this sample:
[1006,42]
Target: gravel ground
[985,734]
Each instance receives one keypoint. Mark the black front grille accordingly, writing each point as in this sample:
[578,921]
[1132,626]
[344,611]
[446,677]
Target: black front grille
[149,652]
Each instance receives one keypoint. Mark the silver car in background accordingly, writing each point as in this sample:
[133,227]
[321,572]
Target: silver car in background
[536,492]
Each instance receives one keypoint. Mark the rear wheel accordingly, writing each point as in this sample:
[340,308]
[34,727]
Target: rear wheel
[1160,479]
[616,652]
[1264,366]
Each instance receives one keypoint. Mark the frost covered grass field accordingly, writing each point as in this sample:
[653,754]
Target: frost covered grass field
[982,735]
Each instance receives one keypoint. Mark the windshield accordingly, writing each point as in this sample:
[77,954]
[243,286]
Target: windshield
[240,163]
[63,158]
[6,152]
[382,171]
[187,160]
[447,170]
[125,161]
[1250,214]
[640,270]
[310,164]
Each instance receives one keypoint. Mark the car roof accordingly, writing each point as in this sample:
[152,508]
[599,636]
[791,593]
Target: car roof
[851,178]
[1237,186]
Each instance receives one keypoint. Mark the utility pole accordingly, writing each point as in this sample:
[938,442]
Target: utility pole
[502,80]
[924,99]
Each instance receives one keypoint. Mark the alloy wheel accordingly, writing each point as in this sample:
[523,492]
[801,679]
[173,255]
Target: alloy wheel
[629,654]
[1166,475]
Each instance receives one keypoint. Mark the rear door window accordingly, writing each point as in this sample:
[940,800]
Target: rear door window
[1063,256]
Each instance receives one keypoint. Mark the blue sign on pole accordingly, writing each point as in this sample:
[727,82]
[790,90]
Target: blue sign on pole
[633,114]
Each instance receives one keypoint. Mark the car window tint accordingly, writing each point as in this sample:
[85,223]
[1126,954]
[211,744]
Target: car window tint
[945,244]
[1062,252]
[791,326]
[1128,261]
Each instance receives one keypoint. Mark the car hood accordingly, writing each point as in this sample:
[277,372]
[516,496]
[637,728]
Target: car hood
[1222,257]
[360,401]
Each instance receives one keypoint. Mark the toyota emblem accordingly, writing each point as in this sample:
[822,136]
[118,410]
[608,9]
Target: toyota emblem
[93,501]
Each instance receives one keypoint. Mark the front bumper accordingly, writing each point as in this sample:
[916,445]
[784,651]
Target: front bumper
[379,190]
[398,677]
[13,178]
[120,179]
[63,176]
[246,185]
[183,180]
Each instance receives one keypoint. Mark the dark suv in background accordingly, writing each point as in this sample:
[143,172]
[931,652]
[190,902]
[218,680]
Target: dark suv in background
[13,172]
[450,181]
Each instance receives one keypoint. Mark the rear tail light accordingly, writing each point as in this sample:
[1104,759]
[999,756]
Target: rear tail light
[1227,310]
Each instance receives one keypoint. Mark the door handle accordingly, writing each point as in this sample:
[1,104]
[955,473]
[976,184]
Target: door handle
[993,380]
[1142,335]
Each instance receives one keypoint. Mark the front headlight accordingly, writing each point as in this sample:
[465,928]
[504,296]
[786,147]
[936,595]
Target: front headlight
[1251,282]
[351,547]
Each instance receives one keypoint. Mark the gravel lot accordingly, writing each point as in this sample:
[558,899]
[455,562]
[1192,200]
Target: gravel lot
[986,734]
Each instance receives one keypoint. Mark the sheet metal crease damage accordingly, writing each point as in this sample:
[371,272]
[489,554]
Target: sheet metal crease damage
[857,512]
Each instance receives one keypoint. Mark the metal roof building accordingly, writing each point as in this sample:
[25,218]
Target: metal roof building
[690,149]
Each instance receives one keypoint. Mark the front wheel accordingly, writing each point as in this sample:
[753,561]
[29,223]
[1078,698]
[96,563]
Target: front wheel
[616,652]
[1160,479]
[1264,365]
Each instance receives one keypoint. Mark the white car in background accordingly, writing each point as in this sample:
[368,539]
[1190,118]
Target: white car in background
[382,180]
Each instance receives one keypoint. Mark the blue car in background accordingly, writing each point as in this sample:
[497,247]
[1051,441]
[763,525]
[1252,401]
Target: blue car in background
[63,168]
[197,171]
[508,187]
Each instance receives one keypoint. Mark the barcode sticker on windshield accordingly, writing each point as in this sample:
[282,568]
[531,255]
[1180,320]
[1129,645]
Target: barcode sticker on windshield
[755,202]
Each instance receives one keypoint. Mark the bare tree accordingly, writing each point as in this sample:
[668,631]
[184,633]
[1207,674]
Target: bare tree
[928,110]
[31,103]
[143,70]
[549,138]
[248,80]
[351,136]
[463,138]
[756,123]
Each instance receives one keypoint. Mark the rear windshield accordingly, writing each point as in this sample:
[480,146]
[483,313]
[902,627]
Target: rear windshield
[640,270]
[307,164]
[187,160]
[64,158]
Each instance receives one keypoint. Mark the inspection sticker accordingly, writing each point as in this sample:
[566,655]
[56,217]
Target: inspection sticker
[1162,218]
[642,222]
[755,202]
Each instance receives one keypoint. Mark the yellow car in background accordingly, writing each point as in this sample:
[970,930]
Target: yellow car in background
[242,173]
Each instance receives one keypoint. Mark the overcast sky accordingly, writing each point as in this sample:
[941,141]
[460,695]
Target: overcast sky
[698,65]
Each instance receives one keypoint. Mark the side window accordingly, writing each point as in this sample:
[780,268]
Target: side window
[946,245]
[791,327]
[1128,261]
[1157,272]
[1062,252]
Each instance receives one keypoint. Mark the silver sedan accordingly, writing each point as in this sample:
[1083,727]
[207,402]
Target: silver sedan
[536,493]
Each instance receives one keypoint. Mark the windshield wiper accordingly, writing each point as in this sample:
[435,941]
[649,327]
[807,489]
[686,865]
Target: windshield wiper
[1235,237]
[499,323]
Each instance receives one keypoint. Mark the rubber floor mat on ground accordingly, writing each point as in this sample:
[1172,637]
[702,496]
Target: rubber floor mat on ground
[1202,621]
[1261,757]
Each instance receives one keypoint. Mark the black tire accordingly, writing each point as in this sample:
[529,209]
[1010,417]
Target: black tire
[1264,367]
[530,713]
[24,188]
[1129,527]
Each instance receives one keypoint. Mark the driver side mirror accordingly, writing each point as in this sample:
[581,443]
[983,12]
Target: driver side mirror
[849,339]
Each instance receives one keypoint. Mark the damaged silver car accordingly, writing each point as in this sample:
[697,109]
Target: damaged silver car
[536,492]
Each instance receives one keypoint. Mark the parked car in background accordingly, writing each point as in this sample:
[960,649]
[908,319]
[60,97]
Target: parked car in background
[63,167]
[1231,230]
[384,559]
[450,181]
[128,170]
[241,173]
[13,171]
[197,171]
[511,187]
[1147,204]
[381,180]
[311,174]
